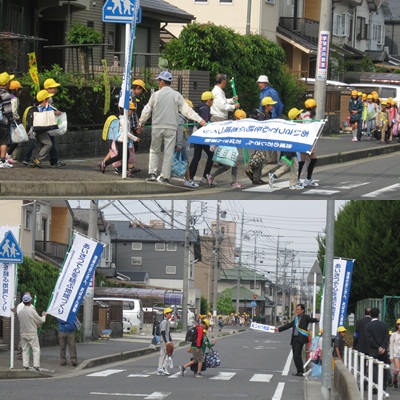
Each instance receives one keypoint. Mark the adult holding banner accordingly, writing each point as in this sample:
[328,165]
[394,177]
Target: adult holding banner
[164,107]
[300,336]
[221,105]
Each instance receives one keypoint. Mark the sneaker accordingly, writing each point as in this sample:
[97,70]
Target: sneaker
[160,372]
[161,179]
[198,375]
[310,182]
[296,187]
[26,368]
[36,369]
[151,177]
[191,183]
[3,164]
[204,180]
[118,170]
[165,371]
[271,178]
[9,159]
[249,173]
[236,185]
[395,385]
[135,170]
[210,180]
[182,370]
[37,163]
[102,167]
[354,139]
[58,165]
[25,162]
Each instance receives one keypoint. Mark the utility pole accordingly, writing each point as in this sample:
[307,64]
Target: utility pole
[326,382]
[88,300]
[275,314]
[248,17]
[255,271]
[186,261]
[321,74]
[216,261]
[240,265]
[172,214]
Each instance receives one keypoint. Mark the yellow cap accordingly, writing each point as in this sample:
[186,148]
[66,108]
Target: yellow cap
[341,329]
[206,321]
[267,101]
[167,310]
[354,93]
[375,96]
[204,330]
[370,96]
[310,103]
[189,103]
[14,85]
[140,83]
[50,83]
[207,96]
[5,78]
[383,103]
[43,95]
[364,96]
[359,93]
[240,114]
[398,321]
[132,105]
[293,113]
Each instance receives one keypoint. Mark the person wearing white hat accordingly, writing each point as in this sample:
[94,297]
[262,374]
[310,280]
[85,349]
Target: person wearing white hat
[267,91]
[6,117]
[164,107]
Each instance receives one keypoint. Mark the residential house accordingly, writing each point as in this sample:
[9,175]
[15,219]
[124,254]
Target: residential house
[40,26]
[392,30]
[227,242]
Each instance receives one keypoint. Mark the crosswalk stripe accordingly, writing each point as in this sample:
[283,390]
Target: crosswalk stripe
[138,376]
[261,378]
[384,190]
[174,376]
[107,372]
[322,192]
[151,396]
[351,185]
[279,391]
[224,376]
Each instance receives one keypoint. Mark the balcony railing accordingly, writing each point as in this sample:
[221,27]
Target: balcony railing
[54,250]
[306,28]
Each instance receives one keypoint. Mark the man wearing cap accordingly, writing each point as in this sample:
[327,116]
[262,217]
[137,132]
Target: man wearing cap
[165,339]
[52,87]
[204,110]
[221,105]
[29,320]
[267,91]
[6,118]
[164,107]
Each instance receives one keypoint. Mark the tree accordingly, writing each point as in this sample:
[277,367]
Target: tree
[218,49]
[369,232]
[203,305]
[224,304]
[84,35]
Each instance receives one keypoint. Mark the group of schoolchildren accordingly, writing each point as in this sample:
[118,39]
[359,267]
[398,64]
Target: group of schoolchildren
[42,144]
[379,119]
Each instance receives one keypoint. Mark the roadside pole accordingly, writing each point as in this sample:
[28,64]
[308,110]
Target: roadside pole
[216,262]
[186,261]
[321,74]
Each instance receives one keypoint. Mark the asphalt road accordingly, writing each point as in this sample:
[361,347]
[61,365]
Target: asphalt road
[254,365]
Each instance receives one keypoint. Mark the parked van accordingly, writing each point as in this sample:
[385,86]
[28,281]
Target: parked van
[132,310]
[385,90]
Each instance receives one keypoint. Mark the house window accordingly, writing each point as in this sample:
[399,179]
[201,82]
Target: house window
[137,246]
[159,247]
[361,29]
[172,247]
[341,24]
[201,1]
[28,219]
[225,1]
[136,260]
[377,34]
[257,285]
[170,270]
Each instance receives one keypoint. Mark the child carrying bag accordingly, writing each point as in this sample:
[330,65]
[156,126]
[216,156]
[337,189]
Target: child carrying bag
[226,155]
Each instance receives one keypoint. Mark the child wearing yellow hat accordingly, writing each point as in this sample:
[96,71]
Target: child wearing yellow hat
[339,343]
[356,107]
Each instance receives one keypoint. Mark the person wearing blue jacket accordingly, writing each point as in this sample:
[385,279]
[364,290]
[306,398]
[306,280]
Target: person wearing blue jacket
[267,91]
[66,337]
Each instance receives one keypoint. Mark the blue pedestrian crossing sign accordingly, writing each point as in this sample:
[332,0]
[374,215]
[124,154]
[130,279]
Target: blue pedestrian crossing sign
[10,251]
[253,304]
[120,11]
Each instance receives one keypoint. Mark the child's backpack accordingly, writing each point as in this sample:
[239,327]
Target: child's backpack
[110,128]
[191,335]
[27,117]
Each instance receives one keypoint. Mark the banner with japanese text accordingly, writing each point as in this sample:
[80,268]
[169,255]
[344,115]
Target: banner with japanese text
[273,134]
[75,277]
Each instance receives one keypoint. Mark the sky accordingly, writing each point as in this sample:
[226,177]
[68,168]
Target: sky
[297,223]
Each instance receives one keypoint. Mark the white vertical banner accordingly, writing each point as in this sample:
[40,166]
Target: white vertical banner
[342,274]
[7,277]
[75,277]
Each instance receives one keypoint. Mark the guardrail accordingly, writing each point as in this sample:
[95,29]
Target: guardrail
[356,363]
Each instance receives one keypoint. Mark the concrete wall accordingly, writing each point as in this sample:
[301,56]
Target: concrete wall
[344,384]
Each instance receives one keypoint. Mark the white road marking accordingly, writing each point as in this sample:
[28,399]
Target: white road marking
[320,192]
[279,391]
[176,375]
[224,376]
[351,185]
[152,396]
[385,190]
[107,372]
[261,378]
[285,371]
[138,376]
[266,188]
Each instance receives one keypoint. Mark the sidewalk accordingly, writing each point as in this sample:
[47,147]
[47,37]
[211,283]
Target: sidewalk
[81,178]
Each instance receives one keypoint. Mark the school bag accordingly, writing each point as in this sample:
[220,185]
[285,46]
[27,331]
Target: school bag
[191,335]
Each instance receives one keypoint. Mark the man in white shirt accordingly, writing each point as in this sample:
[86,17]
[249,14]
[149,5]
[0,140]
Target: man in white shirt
[221,105]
